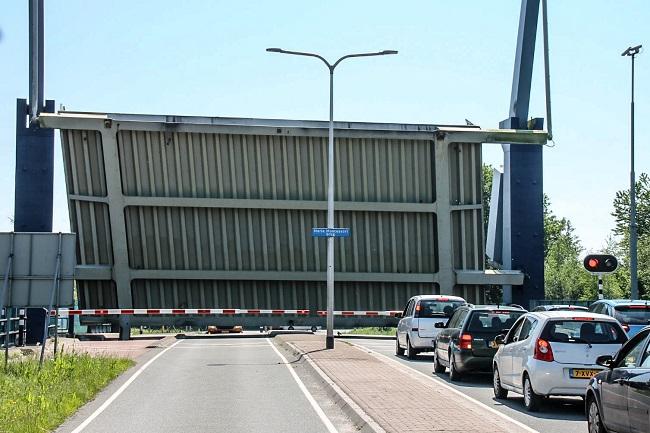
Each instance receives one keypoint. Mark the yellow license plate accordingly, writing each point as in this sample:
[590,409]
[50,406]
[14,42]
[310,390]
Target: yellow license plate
[583,374]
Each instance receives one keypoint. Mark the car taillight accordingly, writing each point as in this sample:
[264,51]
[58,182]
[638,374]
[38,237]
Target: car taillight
[465,341]
[543,351]
[626,327]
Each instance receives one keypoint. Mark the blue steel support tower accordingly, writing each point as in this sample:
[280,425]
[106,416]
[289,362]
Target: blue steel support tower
[523,188]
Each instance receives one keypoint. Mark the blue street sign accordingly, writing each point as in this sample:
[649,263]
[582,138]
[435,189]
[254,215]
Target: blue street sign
[330,233]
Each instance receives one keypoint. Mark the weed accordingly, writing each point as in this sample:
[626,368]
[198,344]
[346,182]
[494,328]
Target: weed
[36,401]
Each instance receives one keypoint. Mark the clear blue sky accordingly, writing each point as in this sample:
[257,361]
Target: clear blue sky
[455,62]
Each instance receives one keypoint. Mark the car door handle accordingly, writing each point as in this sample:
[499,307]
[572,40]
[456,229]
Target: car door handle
[621,381]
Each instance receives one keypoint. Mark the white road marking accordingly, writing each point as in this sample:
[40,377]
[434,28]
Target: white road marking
[451,388]
[191,346]
[121,389]
[328,424]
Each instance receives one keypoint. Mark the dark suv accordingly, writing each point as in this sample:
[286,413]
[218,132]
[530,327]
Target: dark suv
[633,315]
[466,342]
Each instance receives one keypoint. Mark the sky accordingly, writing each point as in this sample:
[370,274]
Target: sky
[455,62]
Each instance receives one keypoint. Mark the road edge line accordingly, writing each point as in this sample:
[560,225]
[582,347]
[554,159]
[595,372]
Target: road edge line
[119,391]
[349,406]
[451,388]
[319,411]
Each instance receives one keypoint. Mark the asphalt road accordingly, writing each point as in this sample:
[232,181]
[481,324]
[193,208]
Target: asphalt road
[215,385]
[558,415]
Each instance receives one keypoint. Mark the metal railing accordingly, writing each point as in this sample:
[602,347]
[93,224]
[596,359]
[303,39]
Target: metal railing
[12,329]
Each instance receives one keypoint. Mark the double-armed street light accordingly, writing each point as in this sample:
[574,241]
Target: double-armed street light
[329,344]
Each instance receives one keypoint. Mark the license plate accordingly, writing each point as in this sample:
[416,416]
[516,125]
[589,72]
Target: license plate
[583,373]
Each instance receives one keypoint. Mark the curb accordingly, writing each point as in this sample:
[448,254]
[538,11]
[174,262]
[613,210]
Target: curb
[366,337]
[362,421]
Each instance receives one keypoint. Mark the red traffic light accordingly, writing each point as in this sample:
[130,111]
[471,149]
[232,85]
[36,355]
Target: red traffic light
[600,263]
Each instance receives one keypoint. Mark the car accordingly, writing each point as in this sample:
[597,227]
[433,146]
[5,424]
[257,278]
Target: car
[633,315]
[465,342]
[553,353]
[416,329]
[560,308]
[618,398]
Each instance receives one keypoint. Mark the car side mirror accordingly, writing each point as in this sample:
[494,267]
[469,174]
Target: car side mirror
[500,340]
[399,315]
[440,325]
[605,361]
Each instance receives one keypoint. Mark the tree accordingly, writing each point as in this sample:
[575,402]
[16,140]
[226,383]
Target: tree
[621,213]
[487,193]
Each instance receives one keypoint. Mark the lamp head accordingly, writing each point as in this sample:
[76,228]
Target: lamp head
[632,51]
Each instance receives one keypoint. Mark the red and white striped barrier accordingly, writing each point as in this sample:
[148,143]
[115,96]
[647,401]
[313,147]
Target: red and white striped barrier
[214,311]
[360,313]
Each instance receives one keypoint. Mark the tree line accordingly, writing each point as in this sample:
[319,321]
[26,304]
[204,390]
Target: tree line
[564,274]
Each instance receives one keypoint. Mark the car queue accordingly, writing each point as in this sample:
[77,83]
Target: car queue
[554,351]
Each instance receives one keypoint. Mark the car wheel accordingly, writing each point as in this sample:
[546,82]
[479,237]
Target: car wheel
[499,391]
[398,349]
[437,366]
[532,401]
[594,422]
[411,353]
[454,374]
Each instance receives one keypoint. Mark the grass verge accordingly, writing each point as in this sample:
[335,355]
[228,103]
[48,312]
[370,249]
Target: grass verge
[38,401]
[374,330]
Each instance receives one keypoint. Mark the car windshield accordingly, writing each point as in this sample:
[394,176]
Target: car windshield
[429,308]
[494,322]
[633,314]
[583,332]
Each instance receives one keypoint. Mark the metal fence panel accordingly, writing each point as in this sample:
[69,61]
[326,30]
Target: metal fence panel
[33,267]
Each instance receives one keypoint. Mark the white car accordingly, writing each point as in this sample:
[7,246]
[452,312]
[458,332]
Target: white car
[553,353]
[416,331]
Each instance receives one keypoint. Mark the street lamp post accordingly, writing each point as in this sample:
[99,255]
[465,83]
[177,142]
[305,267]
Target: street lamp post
[329,342]
[634,284]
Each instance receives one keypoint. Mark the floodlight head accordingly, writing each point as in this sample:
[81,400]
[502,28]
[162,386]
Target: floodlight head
[274,50]
[388,52]
[632,51]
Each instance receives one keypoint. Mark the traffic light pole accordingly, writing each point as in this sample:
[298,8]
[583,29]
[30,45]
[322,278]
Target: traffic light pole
[600,286]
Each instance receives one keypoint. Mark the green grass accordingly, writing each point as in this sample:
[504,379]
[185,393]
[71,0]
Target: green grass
[374,330]
[162,330]
[38,401]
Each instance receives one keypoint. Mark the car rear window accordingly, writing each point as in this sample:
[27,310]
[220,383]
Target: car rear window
[583,332]
[632,314]
[494,321]
[430,308]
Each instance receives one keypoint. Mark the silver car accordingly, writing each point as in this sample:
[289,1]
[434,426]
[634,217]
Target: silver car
[553,353]
[416,331]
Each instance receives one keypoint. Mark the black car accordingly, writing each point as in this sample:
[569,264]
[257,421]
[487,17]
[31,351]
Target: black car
[467,341]
[618,399]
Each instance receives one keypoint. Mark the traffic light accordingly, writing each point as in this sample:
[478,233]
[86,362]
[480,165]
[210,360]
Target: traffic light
[600,263]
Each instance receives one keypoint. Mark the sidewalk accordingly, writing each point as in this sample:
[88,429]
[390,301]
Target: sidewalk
[396,399]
